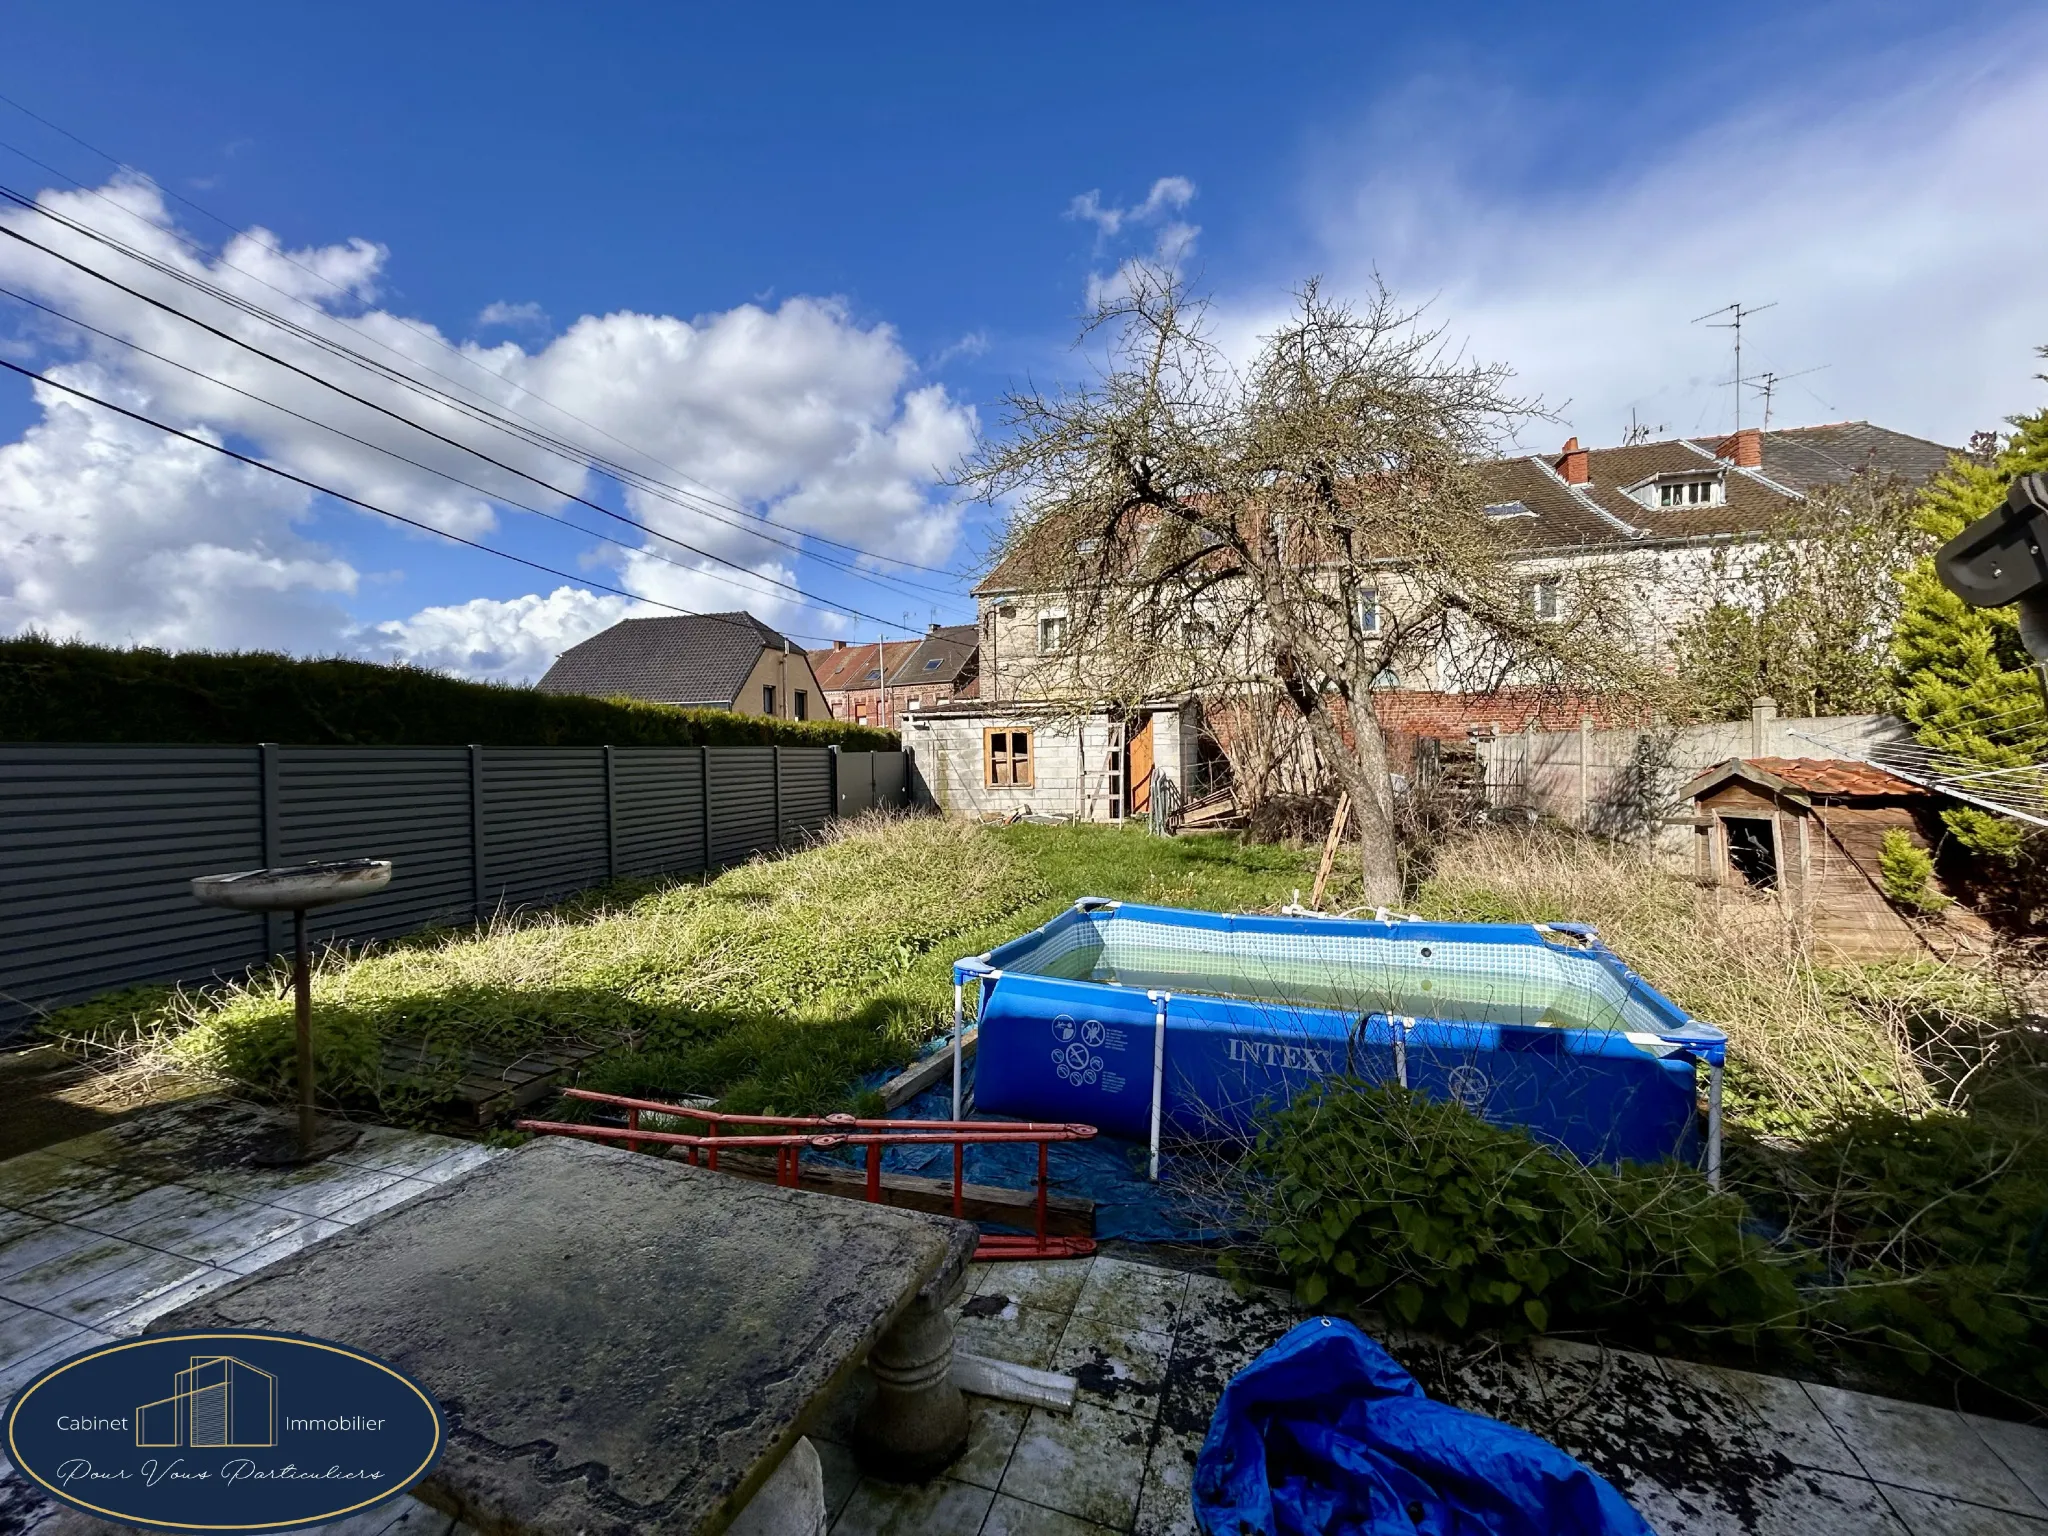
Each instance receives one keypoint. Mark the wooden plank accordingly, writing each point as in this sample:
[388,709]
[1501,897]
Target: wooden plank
[1065,1215]
[922,1073]
[1330,846]
[486,1086]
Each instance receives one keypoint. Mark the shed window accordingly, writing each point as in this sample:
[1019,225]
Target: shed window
[1752,850]
[1007,757]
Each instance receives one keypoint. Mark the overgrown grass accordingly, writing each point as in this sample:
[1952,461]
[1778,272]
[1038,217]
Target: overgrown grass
[774,987]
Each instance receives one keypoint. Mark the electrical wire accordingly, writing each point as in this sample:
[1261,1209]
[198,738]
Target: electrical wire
[233,340]
[367,506]
[433,337]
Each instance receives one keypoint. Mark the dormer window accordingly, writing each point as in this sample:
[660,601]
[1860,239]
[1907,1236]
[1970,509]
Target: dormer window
[1675,491]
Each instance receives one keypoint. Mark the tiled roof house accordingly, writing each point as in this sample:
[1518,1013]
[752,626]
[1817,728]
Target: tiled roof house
[702,661]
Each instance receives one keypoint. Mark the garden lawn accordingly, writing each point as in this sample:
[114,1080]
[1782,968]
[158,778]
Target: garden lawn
[774,987]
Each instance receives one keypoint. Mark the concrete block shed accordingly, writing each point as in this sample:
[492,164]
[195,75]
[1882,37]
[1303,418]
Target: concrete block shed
[1809,830]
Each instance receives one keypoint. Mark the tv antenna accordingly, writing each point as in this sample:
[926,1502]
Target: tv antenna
[1638,431]
[1766,384]
[1736,313]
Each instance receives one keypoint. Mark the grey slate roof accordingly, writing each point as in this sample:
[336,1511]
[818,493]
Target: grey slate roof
[697,659]
[1804,457]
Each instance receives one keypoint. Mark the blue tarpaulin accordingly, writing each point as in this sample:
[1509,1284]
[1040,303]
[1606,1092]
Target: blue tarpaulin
[1325,1434]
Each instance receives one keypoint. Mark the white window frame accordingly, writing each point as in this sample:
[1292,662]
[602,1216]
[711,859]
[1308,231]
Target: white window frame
[1546,599]
[1368,612]
[1045,623]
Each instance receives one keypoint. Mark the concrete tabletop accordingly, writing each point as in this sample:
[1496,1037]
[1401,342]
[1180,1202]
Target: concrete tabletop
[620,1343]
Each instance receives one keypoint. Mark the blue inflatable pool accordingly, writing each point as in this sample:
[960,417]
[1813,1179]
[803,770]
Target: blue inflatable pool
[1151,1020]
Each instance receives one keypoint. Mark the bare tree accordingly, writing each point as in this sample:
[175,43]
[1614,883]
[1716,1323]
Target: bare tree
[1300,532]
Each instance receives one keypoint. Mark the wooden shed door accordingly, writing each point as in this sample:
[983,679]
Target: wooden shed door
[1139,775]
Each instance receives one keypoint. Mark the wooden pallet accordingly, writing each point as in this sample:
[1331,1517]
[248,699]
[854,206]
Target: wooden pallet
[481,1088]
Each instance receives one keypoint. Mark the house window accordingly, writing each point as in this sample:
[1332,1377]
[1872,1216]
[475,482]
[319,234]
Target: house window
[1543,598]
[860,713]
[1369,611]
[803,705]
[1052,633]
[933,664]
[1006,757]
[1689,493]
[1199,634]
[1500,510]
[767,698]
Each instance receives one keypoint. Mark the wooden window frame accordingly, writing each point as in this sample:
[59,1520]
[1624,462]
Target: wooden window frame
[989,780]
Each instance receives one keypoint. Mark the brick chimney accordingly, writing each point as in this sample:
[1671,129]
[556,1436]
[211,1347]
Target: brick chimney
[838,645]
[1573,466]
[1745,449]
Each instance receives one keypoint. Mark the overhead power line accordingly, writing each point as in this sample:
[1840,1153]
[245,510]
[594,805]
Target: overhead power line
[427,335]
[367,506]
[455,443]
[754,526]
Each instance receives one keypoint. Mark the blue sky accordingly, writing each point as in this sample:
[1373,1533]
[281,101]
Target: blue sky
[819,242]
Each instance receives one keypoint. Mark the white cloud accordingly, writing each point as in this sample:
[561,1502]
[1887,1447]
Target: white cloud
[1173,238]
[111,531]
[501,641]
[801,417]
[524,316]
[1887,215]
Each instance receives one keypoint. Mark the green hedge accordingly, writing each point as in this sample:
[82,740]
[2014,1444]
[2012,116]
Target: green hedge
[72,692]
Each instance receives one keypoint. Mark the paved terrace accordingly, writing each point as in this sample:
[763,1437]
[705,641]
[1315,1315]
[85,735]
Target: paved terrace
[102,1234]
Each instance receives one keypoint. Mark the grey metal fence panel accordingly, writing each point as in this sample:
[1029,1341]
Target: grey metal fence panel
[742,803]
[856,782]
[406,804]
[892,779]
[97,849]
[659,810]
[806,793]
[544,822]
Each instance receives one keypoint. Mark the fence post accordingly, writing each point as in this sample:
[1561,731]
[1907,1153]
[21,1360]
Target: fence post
[1585,745]
[479,892]
[611,816]
[704,799]
[776,762]
[832,765]
[273,840]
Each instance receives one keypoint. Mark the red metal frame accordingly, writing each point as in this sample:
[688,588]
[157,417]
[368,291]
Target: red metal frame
[842,1131]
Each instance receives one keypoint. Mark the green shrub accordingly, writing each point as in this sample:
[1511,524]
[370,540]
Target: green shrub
[72,692]
[1378,1196]
[1907,871]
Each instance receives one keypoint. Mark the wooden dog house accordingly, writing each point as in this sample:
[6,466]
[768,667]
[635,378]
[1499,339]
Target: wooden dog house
[1809,830]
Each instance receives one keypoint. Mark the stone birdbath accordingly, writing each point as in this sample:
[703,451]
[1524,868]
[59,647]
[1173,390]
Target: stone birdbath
[296,889]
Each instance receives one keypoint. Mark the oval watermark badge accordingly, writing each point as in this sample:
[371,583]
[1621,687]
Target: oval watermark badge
[230,1431]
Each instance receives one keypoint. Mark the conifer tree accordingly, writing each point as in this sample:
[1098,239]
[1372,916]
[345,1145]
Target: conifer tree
[1966,684]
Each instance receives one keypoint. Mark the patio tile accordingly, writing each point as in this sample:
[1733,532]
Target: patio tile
[1013,1517]
[111,1291]
[73,1265]
[245,1228]
[170,1140]
[1121,1368]
[1766,1415]
[321,1189]
[842,1476]
[304,1235]
[393,1194]
[18,1373]
[466,1158]
[1127,1295]
[1022,1335]
[1930,1450]
[993,1428]
[1926,1514]
[133,1320]
[1051,1285]
[35,1175]
[1166,1504]
[2022,1447]
[162,1217]
[76,1189]
[390,1150]
[1089,1463]
[13,1223]
[40,1243]
[25,1331]
[940,1507]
